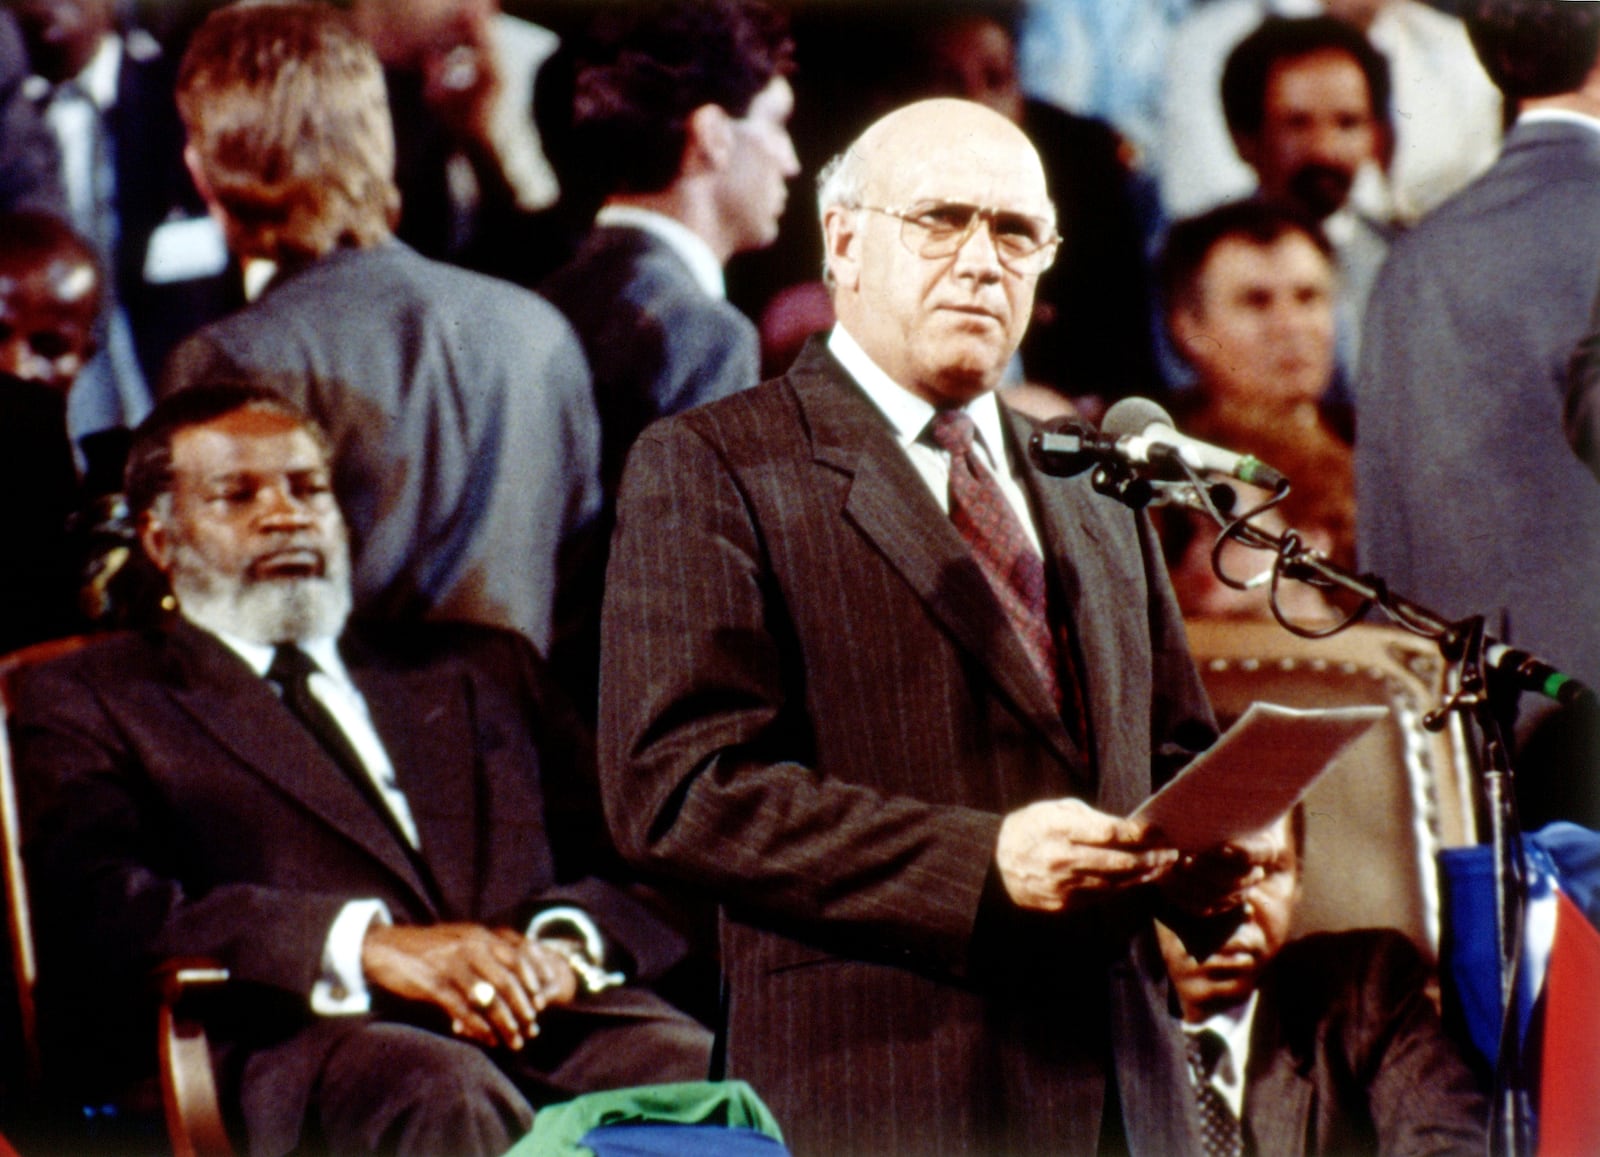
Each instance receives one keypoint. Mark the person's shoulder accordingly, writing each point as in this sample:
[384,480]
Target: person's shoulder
[1351,960]
[422,644]
[108,662]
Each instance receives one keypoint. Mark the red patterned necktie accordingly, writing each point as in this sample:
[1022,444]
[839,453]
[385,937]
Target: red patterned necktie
[985,518]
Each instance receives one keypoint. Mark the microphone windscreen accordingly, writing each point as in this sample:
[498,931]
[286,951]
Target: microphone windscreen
[1133,416]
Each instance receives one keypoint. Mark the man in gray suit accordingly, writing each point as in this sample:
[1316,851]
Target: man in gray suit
[466,445]
[1468,498]
[892,703]
[683,108]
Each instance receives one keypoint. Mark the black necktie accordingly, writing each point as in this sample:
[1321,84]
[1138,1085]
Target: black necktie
[291,671]
[1220,1135]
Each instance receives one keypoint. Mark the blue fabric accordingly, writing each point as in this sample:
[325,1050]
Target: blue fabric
[1560,855]
[681,1141]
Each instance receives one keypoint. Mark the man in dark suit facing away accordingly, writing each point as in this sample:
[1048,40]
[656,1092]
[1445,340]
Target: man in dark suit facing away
[1327,1044]
[682,109]
[374,833]
[892,703]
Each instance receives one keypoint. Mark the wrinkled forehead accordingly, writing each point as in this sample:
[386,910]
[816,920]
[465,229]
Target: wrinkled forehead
[975,166]
[246,441]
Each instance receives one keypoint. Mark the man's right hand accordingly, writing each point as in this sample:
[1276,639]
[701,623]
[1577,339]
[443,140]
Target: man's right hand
[1056,853]
[454,966]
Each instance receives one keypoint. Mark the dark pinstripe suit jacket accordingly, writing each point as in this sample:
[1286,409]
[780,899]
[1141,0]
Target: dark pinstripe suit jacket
[812,706]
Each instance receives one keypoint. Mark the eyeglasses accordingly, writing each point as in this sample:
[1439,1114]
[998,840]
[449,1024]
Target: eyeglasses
[1026,245]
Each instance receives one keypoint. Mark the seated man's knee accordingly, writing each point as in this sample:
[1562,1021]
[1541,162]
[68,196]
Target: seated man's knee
[397,1089]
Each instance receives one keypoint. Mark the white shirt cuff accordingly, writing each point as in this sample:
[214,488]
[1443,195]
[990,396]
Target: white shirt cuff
[342,988]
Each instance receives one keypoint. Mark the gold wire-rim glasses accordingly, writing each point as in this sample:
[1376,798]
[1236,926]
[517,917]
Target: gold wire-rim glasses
[1025,244]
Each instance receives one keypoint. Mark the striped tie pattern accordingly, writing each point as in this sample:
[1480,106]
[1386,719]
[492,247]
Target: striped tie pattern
[983,516]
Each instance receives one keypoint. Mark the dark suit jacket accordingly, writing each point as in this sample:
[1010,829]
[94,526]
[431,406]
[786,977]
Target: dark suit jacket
[1470,500]
[1347,1055]
[153,188]
[176,808]
[657,343]
[466,446]
[813,707]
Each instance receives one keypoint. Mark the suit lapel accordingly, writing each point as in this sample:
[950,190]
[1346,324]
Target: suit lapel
[1278,1087]
[889,503]
[426,727]
[238,710]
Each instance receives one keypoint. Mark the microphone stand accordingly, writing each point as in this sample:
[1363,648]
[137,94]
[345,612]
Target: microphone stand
[1475,687]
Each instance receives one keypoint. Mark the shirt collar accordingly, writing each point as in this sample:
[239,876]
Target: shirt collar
[907,413]
[258,656]
[677,236]
[1233,1025]
[1559,116]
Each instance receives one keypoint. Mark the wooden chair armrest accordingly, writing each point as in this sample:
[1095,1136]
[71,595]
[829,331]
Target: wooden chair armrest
[188,1081]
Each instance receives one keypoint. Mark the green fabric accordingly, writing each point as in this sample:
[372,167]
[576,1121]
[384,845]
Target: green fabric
[557,1129]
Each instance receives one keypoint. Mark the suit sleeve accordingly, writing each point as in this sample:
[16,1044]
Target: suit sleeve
[706,753]
[107,870]
[1422,1096]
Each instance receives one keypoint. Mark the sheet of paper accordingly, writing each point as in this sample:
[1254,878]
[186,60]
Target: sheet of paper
[1254,773]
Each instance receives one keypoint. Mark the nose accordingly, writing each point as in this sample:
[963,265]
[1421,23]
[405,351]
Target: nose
[283,509]
[978,257]
[789,160]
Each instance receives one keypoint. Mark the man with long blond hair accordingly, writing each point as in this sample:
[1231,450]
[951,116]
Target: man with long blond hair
[466,440]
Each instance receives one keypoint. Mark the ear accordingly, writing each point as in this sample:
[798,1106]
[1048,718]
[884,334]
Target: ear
[842,245]
[1183,323]
[156,538]
[708,140]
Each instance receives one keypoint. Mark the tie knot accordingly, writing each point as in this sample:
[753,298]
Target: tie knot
[291,666]
[1205,1050]
[953,430]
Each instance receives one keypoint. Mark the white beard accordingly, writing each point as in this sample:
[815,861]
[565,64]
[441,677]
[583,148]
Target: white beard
[267,611]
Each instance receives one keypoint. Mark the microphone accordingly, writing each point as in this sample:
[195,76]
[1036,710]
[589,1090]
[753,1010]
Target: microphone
[1533,674]
[1139,432]
[1144,433]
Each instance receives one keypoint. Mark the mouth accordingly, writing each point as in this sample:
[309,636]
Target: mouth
[288,565]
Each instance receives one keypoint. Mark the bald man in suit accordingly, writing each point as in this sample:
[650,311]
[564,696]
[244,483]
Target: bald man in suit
[905,775]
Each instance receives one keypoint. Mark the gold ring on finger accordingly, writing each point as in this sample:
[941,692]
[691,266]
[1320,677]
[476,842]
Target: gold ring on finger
[482,994]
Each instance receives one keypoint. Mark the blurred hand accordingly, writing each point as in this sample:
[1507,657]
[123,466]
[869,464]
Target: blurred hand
[446,964]
[1056,853]
[1216,880]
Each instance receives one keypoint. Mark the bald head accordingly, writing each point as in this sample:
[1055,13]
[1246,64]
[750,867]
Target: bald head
[938,223]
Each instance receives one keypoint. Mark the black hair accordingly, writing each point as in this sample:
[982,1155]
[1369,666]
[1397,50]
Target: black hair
[644,70]
[1533,48]
[1279,39]
[1189,242]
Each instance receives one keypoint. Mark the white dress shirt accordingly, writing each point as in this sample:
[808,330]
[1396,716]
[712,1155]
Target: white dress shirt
[677,236]
[910,415]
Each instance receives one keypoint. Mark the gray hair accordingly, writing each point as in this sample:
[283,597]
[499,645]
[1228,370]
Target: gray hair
[841,184]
